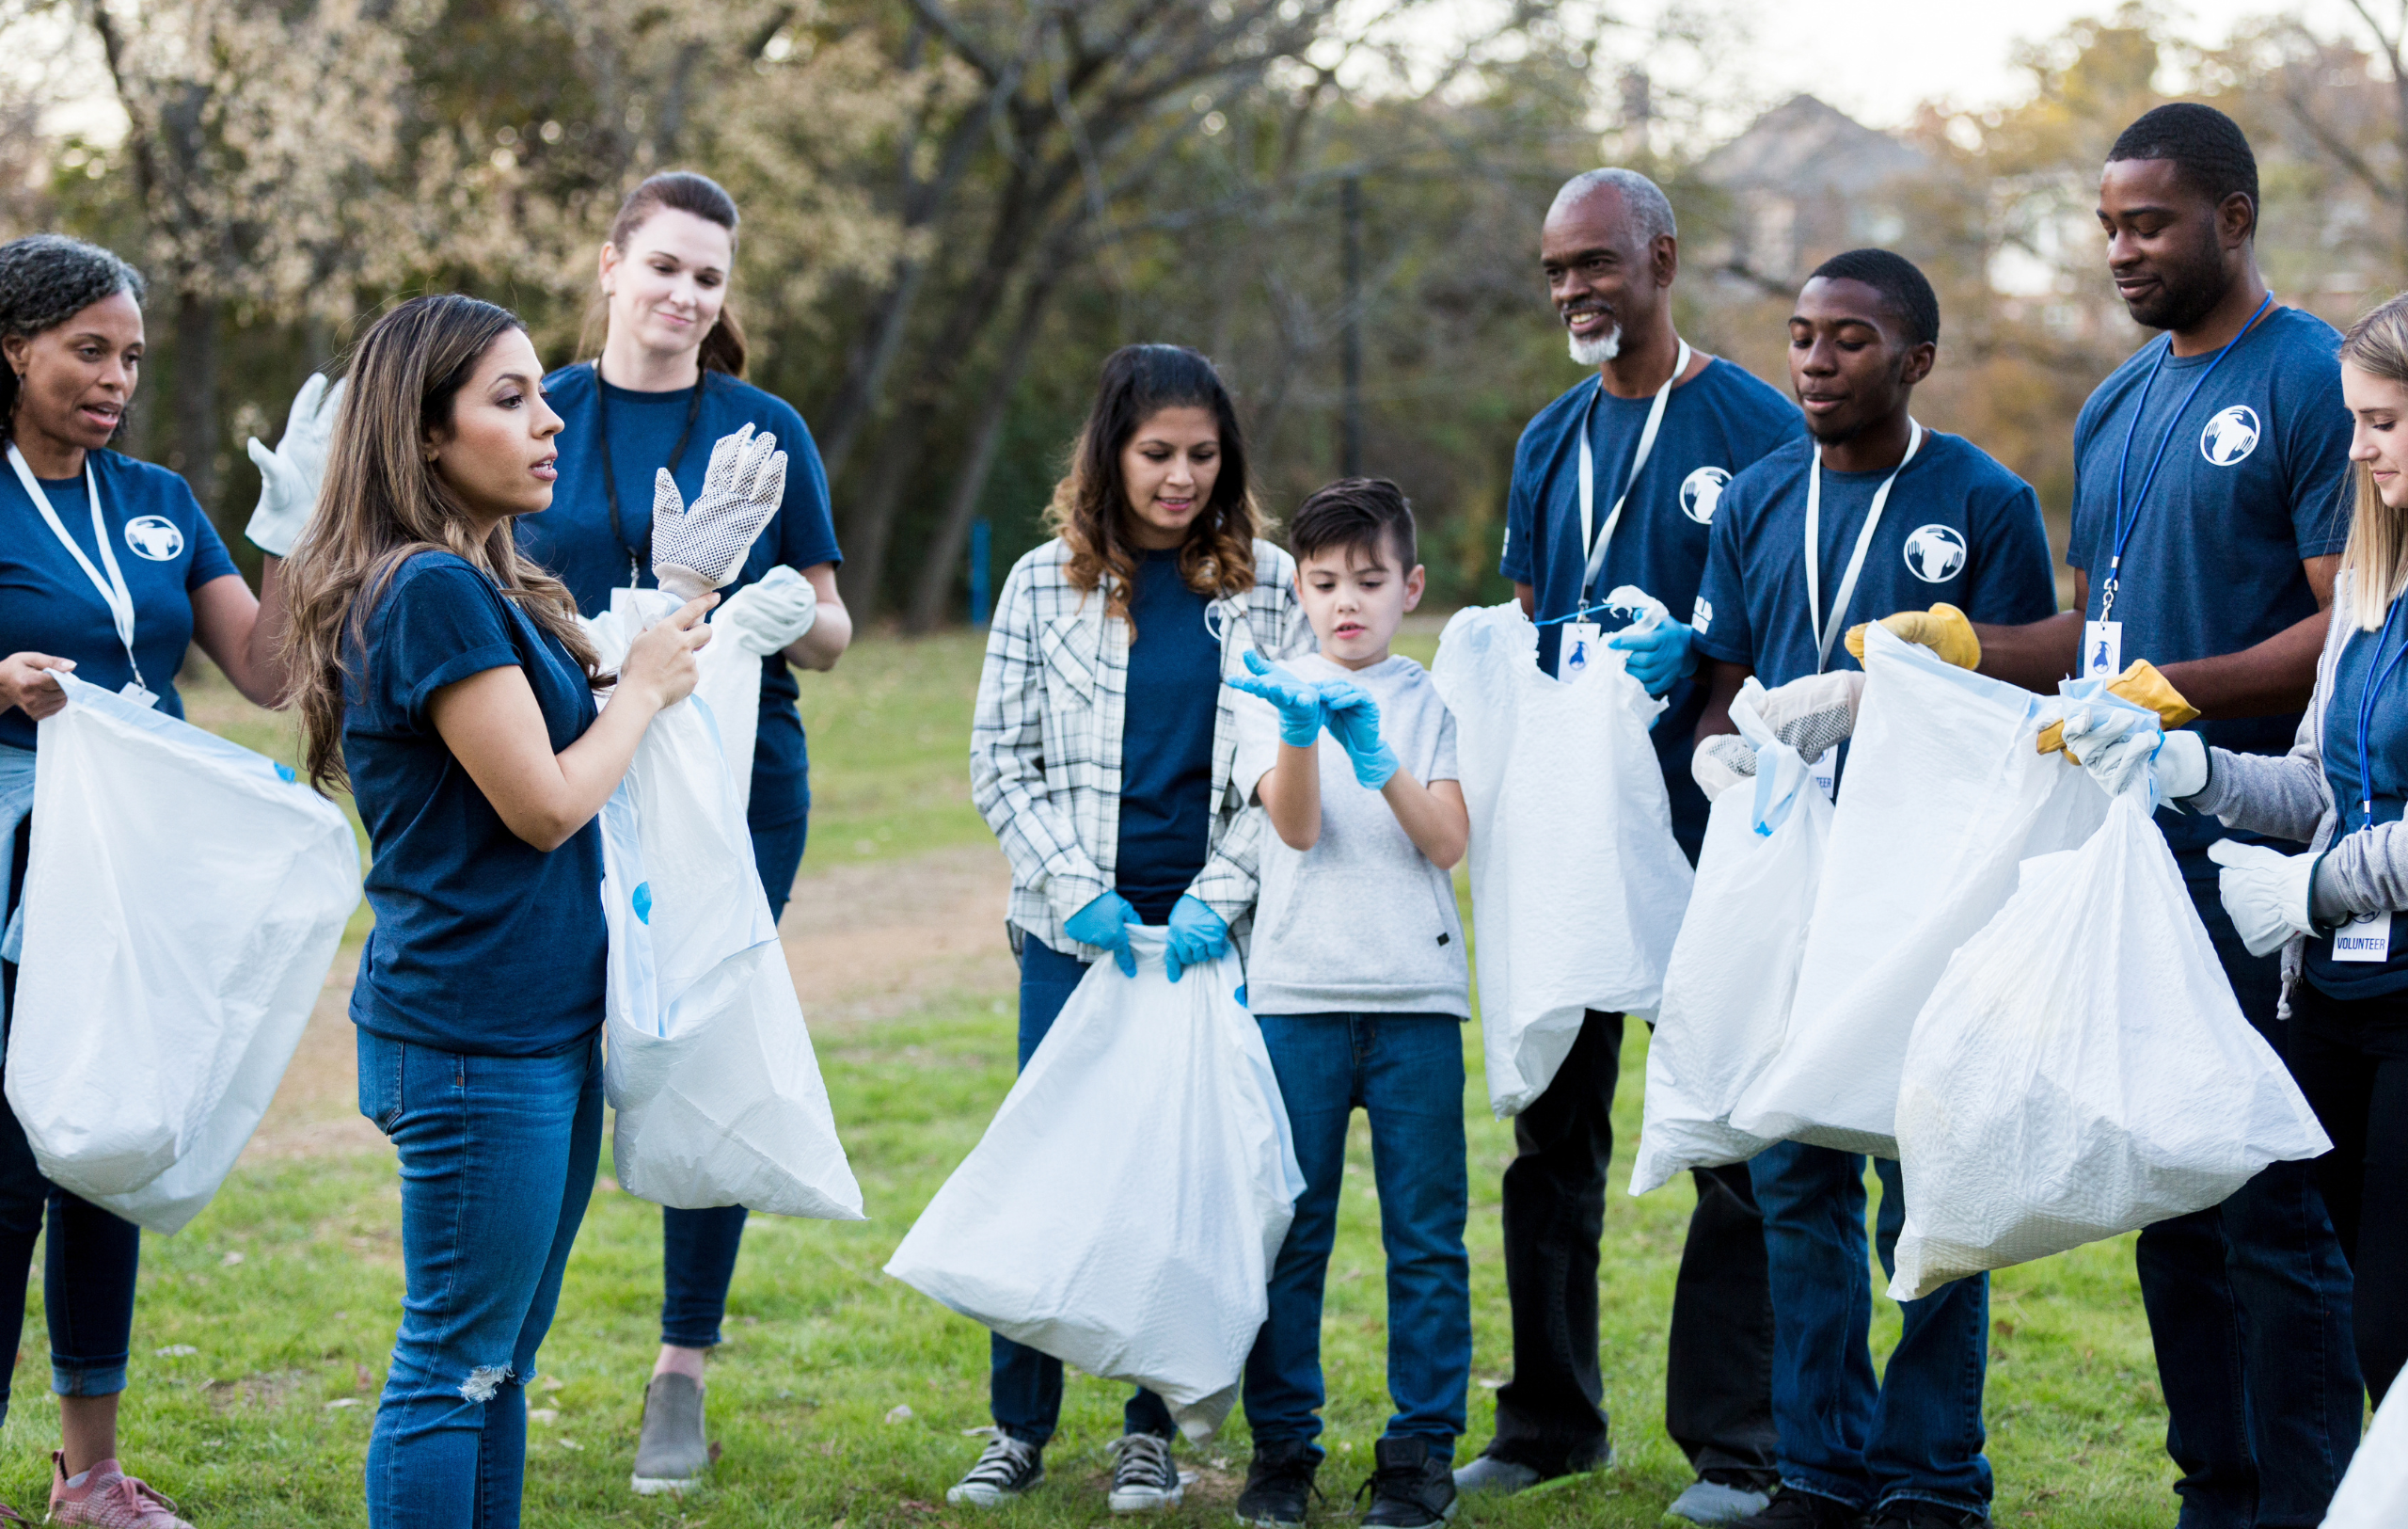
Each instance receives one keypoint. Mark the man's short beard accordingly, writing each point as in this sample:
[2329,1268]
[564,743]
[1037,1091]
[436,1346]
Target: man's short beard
[1596,350]
[2186,294]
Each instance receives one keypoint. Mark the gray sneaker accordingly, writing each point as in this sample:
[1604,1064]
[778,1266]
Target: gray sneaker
[672,1452]
[1713,1503]
[1487,1473]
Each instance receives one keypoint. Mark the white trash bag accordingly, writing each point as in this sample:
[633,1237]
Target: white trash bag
[2374,1494]
[707,1062]
[1944,794]
[1124,1207]
[1735,966]
[2082,1070]
[728,683]
[1578,886]
[184,902]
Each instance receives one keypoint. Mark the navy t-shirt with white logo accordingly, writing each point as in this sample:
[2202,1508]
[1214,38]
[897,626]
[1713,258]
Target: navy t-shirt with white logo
[165,548]
[1958,527]
[482,943]
[1714,424]
[1172,706]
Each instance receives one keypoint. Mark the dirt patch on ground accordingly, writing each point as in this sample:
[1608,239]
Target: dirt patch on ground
[866,943]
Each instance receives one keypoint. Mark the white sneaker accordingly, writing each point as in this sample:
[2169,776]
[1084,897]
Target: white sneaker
[1715,1503]
[1143,1477]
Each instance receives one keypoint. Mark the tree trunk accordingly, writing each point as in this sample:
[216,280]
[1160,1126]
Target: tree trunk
[193,445]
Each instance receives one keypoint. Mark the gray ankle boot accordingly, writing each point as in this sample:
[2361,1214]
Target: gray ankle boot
[672,1452]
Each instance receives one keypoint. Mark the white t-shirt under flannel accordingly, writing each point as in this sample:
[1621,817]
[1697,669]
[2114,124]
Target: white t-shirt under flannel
[1362,922]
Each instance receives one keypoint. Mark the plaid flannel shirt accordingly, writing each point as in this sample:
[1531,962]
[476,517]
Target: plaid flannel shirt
[1045,741]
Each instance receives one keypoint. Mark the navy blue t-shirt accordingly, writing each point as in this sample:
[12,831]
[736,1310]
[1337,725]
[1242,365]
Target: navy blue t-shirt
[165,548]
[1715,424]
[2388,744]
[1958,528]
[1172,705]
[482,943]
[573,539]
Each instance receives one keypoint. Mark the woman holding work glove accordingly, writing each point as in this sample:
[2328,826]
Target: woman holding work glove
[445,679]
[667,386]
[1100,755]
[2334,912]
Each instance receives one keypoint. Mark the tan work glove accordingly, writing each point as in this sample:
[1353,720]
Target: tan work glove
[2141,684]
[1943,629]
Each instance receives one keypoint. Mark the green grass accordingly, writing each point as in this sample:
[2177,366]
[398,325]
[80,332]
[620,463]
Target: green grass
[287,1287]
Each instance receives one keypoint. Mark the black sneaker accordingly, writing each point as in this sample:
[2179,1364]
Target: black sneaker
[1003,1472]
[1413,1488]
[1144,1479]
[1278,1485]
[1911,1513]
[1793,1510]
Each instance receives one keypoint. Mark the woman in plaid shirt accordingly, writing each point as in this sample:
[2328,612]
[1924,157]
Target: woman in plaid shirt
[1154,587]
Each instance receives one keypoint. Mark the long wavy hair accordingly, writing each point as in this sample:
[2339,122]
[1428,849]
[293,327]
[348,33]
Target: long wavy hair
[2376,555]
[1091,512]
[383,502]
[676,191]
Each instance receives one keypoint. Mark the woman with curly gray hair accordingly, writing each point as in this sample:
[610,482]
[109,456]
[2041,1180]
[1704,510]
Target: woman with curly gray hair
[108,567]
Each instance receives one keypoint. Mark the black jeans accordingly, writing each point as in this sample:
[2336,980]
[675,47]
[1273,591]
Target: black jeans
[2350,1057]
[1717,1382]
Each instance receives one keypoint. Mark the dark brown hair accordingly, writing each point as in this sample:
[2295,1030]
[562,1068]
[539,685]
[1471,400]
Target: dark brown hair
[1371,513]
[383,502]
[676,191]
[1090,510]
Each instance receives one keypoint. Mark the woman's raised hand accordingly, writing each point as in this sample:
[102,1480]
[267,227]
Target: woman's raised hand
[659,667]
[23,682]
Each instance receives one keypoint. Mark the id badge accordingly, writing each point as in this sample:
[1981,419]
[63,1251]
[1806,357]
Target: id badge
[1582,640]
[1825,772]
[135,693]
[2102,649]
[2366,937]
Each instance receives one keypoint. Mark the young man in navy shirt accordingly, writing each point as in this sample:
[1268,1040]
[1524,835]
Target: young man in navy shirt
[2208,521]
[1952,527]
[1663,429]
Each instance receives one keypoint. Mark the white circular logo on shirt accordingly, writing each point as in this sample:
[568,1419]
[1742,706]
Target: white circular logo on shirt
[154,537]
[2230,436]
[1935,554]
[1701,491]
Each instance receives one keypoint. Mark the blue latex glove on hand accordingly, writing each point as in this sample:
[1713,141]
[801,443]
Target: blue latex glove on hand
[1355,721]
[1105,923]
[1659,654]
[1197,934]
[1299,705]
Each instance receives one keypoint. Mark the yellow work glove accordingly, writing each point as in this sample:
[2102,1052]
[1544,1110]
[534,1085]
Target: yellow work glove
[2143,685]
[1942,629]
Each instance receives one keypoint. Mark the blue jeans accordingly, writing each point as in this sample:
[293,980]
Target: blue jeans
[498,1157]
[1918,1434]
[698,1247]
[2249,1309]
[1023,1386]
[1406,1072]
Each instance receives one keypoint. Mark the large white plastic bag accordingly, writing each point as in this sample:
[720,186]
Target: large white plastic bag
[1578,886]
[2082,1070]
[182,904]
[1124,1207]
[2374,1494]
[707,1062]
[1944,794]
[728,685]
[1735,966]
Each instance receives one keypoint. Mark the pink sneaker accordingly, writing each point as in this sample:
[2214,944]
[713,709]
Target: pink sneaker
[108,1498]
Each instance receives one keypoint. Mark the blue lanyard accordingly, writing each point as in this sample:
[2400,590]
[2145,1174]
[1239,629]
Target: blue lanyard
[2377,672]
[2140,406]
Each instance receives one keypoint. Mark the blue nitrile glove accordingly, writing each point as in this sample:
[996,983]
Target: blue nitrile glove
[1197,934]
[1659,654]
[1355,721]
[1106,923]
[1299,705]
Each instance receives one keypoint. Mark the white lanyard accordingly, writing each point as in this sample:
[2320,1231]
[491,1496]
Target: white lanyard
[1596,550]
[1826,632]
[112,589]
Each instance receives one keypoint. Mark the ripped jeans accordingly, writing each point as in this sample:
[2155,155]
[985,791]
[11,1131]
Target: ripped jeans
[498,1157]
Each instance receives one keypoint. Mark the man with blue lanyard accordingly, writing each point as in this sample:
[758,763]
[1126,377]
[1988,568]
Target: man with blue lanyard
[1873,514]
[1616,482]
[2208,521]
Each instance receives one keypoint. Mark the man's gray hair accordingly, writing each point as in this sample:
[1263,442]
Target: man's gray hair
[1642,200]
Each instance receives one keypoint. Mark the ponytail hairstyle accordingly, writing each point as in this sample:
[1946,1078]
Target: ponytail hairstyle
[676,191]
[45,279]
[383,502]
[1090,510]
[2376,555]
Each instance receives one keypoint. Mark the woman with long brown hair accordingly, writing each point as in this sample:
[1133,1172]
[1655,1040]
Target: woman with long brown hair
[1101,753]
[445,679]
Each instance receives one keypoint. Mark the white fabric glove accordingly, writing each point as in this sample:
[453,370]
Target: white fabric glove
[2265,891]
[765,617]
[1722,761]
[2113,742]
[1814,713]
[699,549]
[2180,768]
[290,475]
